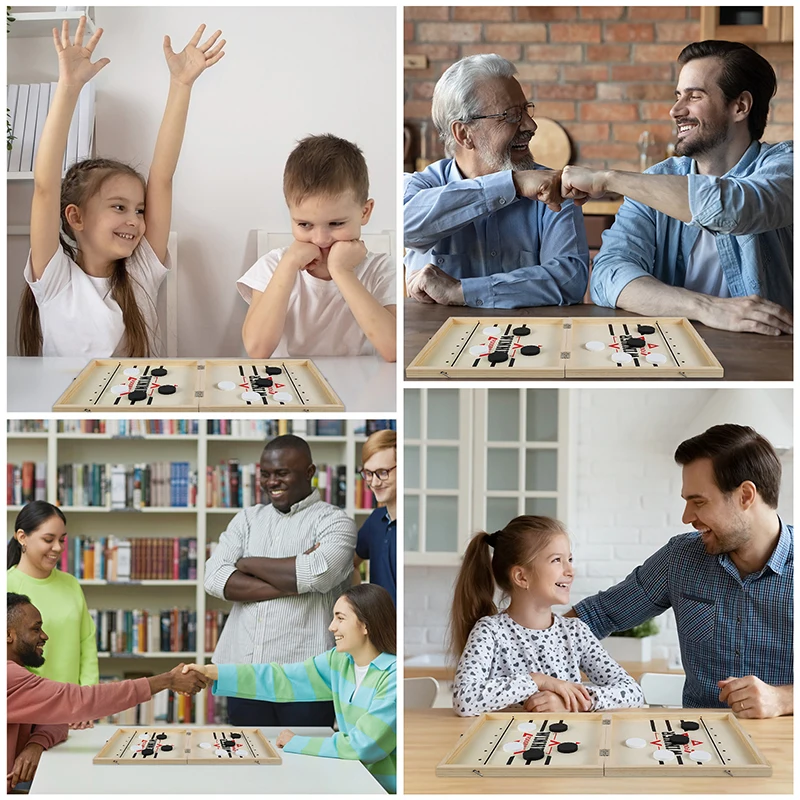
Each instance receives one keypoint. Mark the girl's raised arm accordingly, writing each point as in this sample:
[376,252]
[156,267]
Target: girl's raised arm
[75,69]
[184,67]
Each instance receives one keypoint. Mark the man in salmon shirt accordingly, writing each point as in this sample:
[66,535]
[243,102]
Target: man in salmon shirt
[39,710]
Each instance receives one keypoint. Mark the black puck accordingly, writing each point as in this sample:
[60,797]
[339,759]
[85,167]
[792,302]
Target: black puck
[558,727]
[148,751]
[159,372]
[530,350]
[645,329]
[236,736]
[166,748]
[567,747]
[534,754]
[272,370]
[263,383]
[228,743]
[161,736]
[523,330]
[169,389]
[496,358]
[689,726]
[137,394]
[679,738]
[635,343]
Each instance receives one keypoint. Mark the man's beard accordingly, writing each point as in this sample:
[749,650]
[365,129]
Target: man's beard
[29,657]
[496,162]
[703,141]
[732,540]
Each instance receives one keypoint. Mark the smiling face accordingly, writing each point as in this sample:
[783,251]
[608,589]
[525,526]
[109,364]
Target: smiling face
[323,220]
[26,638]
[549,576]
[385,491]
[499,145]
[348,632]
[723,525]
[110,223]
[43,546]
[286,477]
[702,116]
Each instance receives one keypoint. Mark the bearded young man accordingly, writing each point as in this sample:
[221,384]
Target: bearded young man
[481,228]
[707,235]
[730,582]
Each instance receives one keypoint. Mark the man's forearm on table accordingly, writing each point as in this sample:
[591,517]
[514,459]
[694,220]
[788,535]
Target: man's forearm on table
[650,297]
[243,588]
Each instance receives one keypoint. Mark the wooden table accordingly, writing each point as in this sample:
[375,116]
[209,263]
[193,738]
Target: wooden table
[744,356]
[432,733]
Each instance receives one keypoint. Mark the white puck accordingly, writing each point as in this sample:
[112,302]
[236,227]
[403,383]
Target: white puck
[131,372]
[527,727]
[226,386]
[282,397]
[513,747]
[205,745]
[701,756]
[664,755]
[479,350]
[622,358]
[656,358]
[635,743]
[493,330]
[595,346]
[120,388]
[252,397]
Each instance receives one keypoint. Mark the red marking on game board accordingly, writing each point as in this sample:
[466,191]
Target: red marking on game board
[614,346]
[236,746]
[651,346]
[695,743]
[657,742]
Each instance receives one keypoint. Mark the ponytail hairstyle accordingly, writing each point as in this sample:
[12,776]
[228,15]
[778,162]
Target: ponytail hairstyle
[517,544]
[374,609]
[83,180]
[32,516]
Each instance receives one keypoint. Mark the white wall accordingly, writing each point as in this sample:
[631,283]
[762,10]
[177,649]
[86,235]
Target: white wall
[624,499]
[287,73]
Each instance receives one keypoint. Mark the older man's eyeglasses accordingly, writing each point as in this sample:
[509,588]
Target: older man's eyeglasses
[381,474]
[512,116]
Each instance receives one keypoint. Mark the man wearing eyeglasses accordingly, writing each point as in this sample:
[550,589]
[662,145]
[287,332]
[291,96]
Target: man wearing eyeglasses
[482,228]
[377,537]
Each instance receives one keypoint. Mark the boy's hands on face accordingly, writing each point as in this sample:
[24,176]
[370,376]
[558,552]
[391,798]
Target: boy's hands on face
[187,66]
[301,254]
[345,256]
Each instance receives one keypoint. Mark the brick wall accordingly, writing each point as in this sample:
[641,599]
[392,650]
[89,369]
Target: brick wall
[624,502]
[604,73]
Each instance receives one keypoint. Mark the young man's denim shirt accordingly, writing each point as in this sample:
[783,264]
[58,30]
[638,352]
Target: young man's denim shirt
[749,210]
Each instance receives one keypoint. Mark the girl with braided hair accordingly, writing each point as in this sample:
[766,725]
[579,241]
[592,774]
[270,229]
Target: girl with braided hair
[99,237]
[526,654]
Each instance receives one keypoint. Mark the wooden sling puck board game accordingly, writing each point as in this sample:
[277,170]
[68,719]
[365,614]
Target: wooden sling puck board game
[187,746]
[560,347]
[131,385]
[659,743]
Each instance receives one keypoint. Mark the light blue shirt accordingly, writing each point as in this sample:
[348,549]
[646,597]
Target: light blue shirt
[749,211]
[507,251]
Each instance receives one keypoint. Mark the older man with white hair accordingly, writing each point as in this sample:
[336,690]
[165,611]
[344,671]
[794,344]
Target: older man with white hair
[482,227]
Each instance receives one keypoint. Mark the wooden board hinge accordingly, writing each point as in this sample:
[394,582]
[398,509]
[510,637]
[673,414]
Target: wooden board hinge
[565,355]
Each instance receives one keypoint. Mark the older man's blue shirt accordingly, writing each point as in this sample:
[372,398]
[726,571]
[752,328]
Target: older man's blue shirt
[507,251]
[749,210]
[728,626]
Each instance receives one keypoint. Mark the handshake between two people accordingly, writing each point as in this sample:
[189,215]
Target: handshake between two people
[553,187]
[185,679]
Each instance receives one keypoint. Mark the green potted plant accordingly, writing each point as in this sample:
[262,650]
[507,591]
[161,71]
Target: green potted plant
[633,644]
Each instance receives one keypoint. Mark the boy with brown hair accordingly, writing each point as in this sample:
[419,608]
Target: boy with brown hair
[325,294]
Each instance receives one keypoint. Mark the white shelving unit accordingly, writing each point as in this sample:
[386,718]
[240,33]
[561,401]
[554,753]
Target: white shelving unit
[476,458]
[204,524]
[32,24]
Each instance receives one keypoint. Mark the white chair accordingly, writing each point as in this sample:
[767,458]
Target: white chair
[662,689]
[420,692]
[374,242]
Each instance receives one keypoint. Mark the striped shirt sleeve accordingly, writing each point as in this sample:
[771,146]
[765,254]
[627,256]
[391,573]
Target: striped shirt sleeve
[373,737]
[303,682]
[230,549]
[331,564]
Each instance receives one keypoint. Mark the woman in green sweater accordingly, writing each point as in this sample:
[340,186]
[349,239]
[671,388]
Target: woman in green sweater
[40,534]
[359,675]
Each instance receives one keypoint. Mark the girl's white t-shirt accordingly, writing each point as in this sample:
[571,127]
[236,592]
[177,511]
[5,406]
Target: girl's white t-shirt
[361,673]
[77,313]
[318,320]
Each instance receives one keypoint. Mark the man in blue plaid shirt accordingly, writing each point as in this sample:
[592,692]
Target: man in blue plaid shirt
[729,582]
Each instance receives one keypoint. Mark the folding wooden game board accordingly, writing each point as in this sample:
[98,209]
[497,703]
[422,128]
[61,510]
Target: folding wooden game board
[662,743]
[187,746]
[131,385]
[558,347]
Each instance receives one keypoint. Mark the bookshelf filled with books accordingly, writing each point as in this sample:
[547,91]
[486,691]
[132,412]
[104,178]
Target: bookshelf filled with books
[146,502]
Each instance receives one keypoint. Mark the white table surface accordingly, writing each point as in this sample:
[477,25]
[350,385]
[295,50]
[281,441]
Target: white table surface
[365,384]
[67,769]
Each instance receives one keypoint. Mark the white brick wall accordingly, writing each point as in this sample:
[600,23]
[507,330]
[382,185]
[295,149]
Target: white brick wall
[624,501]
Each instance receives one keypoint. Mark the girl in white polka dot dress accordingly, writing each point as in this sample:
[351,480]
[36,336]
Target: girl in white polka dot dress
[526,654]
